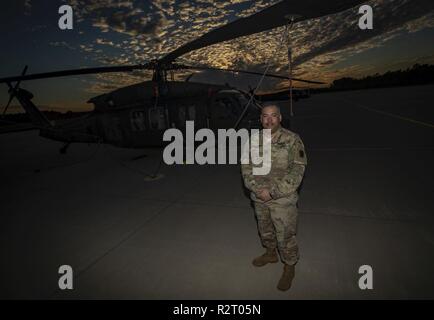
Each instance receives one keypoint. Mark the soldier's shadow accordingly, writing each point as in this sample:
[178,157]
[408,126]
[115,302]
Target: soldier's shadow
[246,191]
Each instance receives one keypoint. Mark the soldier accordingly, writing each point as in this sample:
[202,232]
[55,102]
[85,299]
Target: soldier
[275,195]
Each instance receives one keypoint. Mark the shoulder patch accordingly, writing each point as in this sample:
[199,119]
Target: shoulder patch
[299,152]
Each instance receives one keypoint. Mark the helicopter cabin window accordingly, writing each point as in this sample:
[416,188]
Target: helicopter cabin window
[137,118]
[110,103]
[181,116]
[157,120]
[192,112]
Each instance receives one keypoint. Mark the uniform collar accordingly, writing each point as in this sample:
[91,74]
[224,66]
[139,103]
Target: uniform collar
[277,135]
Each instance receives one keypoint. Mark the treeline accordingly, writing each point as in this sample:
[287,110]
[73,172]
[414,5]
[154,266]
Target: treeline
[416,75]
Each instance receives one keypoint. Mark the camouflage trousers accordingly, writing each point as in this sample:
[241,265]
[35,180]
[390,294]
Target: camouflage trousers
[277,226]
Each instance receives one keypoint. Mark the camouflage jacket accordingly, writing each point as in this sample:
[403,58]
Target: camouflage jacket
[288,162]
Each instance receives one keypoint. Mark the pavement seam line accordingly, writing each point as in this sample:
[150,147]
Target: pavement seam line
[359,105]
[117,245]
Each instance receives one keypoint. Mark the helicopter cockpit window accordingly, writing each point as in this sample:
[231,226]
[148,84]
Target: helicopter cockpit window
[157,120]
[226,108]
[243,100]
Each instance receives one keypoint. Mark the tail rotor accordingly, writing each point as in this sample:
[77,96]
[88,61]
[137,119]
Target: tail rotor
[13,91]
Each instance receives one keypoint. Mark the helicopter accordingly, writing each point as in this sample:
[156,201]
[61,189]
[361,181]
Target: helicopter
[136,116]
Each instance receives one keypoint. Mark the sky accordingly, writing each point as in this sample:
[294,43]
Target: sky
[108,32]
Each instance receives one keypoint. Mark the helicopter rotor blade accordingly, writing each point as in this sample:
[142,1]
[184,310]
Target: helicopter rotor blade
[75,72]
[179,66]
[274,16]
[130,68]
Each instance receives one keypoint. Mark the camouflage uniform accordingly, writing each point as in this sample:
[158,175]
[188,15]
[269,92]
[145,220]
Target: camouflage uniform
[277,218]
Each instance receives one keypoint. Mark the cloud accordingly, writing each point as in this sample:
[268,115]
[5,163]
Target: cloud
[104,42]
[149,30]
[61,44]
[341,31]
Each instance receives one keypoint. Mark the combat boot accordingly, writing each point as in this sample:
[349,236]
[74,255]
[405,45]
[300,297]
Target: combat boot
[270,256]
[286,278]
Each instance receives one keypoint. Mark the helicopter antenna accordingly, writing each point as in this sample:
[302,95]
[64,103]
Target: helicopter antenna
[288,27]
[252,92]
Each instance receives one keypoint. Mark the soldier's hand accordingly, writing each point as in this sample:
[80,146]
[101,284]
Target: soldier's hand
[264,195]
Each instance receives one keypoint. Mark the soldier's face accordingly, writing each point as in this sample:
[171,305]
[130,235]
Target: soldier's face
[271,118]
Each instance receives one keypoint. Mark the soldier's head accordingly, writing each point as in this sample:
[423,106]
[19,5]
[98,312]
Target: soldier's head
[271,117]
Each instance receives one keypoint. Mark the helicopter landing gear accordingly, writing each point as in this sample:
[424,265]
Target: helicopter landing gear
[156,175]
[64,148]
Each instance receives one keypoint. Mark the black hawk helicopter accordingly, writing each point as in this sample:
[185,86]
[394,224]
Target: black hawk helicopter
[136,116]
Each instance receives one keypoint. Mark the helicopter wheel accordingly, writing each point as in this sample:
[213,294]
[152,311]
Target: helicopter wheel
[64,148]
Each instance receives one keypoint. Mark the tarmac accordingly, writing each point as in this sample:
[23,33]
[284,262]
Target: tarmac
[367,199]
